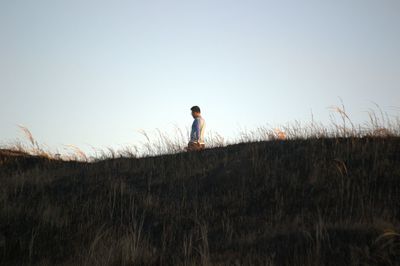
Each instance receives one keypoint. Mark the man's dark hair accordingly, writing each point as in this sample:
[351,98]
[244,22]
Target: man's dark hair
[195,109]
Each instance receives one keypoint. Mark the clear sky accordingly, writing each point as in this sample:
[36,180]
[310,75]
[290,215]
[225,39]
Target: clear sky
[95,72]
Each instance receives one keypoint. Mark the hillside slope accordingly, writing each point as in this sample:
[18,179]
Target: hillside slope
[294,202]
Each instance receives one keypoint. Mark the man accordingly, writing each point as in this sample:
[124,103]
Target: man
[197,134]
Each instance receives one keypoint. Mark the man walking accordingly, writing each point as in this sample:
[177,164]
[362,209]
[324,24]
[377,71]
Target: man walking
[197,134]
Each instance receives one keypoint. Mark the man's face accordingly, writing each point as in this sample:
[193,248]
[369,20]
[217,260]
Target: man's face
[195,114]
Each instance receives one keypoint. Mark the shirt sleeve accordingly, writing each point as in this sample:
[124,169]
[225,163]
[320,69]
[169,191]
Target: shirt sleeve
[197,127]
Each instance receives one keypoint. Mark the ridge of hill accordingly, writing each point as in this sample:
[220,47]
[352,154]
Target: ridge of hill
[328,201]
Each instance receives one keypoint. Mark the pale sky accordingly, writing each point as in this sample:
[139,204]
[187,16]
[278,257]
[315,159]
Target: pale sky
[95,72]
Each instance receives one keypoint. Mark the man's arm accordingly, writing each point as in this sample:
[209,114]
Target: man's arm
[195,131]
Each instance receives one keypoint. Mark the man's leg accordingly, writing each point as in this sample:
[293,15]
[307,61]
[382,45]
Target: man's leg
[192,146]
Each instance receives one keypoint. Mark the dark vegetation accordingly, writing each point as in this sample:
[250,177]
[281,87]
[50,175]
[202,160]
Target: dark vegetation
[328,201]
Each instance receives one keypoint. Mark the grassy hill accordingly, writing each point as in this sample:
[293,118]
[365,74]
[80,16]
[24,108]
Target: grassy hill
[328,201]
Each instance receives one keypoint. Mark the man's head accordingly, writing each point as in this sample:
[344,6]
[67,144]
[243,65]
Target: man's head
[195,111]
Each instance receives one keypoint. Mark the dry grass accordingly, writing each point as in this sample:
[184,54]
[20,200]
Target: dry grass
[159,142]
[318,196]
